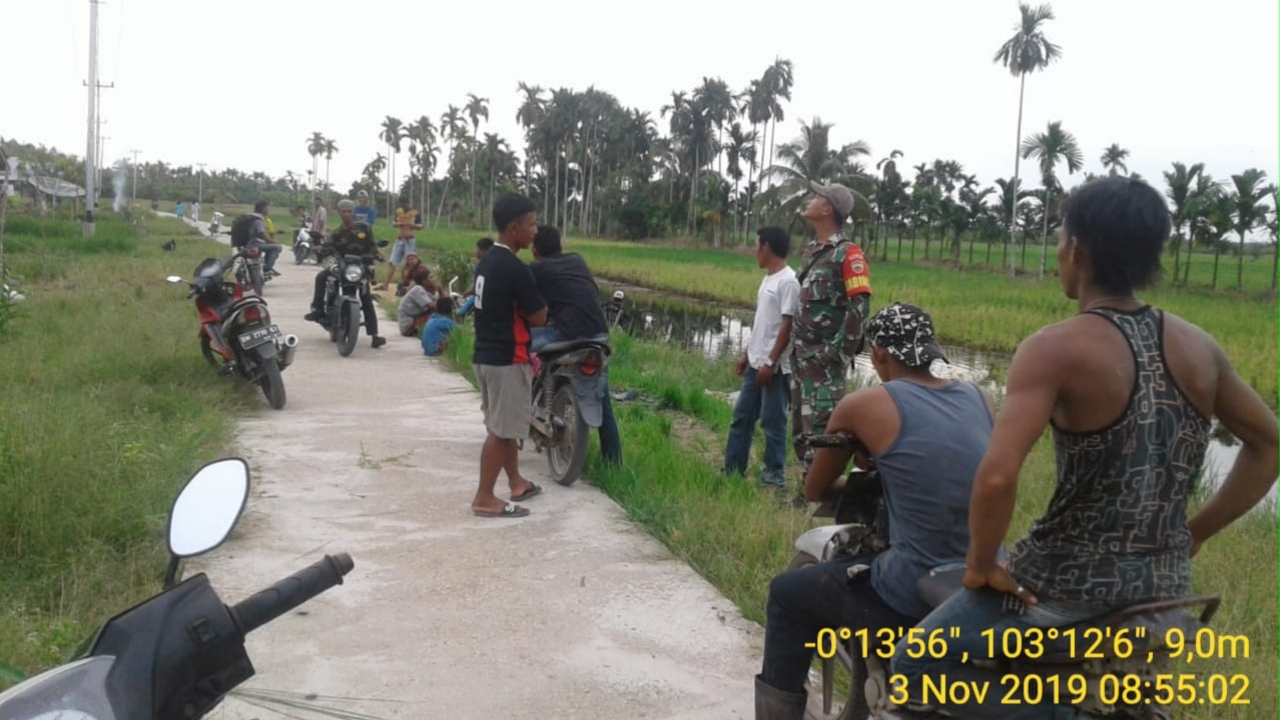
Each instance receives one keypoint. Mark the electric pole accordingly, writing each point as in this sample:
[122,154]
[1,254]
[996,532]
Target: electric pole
[90,157]
[135,173]
[200,193]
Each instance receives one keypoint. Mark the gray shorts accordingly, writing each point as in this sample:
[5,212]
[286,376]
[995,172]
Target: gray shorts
[506,392]
[402,249]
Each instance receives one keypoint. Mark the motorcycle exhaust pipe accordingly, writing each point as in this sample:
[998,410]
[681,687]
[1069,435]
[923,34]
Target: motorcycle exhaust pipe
[290,347]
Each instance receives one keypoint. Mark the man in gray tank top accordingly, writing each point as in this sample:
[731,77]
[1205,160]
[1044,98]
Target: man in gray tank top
[926,436]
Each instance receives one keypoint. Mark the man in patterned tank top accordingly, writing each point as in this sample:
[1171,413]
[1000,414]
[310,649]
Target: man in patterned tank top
[1130,393]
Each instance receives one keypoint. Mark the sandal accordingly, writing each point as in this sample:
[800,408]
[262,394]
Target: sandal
[534,489]
[510,511]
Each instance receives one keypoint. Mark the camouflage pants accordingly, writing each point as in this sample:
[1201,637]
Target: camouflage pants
[816,389]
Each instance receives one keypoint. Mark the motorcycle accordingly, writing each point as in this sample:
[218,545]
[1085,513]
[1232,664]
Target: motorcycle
[349,283]
[215,224]
[861,528]
[461,305]
[247,265]
[569,382]
[236,332]
[179,653]
[304,243]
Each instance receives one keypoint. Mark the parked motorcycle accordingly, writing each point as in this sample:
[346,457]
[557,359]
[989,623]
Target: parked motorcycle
[236,332]
[861,527]
[179,653]
[304,243]
[568,401]
[215,224]
[461,305]
[247,266]
[349,283]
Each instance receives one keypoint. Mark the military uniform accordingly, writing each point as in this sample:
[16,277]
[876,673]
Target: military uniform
[354,240]
[835,300]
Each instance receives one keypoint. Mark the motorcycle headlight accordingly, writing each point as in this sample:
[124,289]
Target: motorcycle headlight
[353,273]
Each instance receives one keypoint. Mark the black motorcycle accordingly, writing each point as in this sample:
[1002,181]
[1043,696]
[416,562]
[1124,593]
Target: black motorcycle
[350,282]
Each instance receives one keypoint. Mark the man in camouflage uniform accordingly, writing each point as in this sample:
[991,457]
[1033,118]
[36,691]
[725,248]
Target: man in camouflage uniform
[835,299]
[351,238]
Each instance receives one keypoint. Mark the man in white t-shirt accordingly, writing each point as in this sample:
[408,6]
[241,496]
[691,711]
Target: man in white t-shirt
[765,366]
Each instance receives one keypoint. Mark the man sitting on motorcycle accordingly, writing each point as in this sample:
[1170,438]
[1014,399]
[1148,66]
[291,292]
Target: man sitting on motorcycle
[1130,393]
[925,435]
[261,235]
[351,238]
[573,313]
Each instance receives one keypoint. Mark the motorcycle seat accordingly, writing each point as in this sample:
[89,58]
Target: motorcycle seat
[568,345]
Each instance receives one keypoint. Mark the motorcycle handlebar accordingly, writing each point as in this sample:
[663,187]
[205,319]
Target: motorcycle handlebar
[287,594]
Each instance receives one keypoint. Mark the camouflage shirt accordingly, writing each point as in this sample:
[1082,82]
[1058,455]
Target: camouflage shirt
[835,299]
[354,240]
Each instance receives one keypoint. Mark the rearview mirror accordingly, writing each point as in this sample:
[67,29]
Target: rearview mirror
[173,279]
[208,507]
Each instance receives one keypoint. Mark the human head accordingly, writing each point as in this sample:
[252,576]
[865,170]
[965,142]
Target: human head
[832,200]
[515,217]
[903,334]
[404,202]
[777,242]
[618,296]
[546,241]
[1113,232]
[444,306]
[482,246]
[319,201]
[260,207]
[347,211]
[420,276]
[362,197]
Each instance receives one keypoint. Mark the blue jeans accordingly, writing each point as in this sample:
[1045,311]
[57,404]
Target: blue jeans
[270,251]
[972,612]
[769,404]
[610,440]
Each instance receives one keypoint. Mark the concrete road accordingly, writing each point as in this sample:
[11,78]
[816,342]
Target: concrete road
[572,612]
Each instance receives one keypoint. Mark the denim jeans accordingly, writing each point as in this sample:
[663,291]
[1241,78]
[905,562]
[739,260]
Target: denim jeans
[270,251]
[971,612]
[610,440]
[769,404]
[804,601]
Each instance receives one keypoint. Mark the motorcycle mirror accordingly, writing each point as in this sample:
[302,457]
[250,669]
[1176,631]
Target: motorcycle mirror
[173,279]
[206,510]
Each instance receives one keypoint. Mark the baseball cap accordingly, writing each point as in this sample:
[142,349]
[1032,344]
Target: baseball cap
[362,193]
[905,332]
[840,197]
[618,295]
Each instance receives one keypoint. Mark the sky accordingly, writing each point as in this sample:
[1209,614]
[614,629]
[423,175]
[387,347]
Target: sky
[244,83]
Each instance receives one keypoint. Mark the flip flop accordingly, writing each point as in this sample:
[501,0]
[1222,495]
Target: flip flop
[510,511]
[534,490]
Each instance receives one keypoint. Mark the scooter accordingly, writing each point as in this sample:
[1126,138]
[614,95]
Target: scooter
[215,224]
[179,653]
[304,243]
[236,332]
[568,400]
[1135,646]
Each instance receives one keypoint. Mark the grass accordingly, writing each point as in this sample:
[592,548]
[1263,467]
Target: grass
[106,406]
[978,309]
[737,538]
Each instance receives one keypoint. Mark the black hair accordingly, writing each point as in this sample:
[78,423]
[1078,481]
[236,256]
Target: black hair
[547,241]
[776,238]
[484,243]
[1123,225]
[444,306]
[510,207]
[259,206]
[420,275]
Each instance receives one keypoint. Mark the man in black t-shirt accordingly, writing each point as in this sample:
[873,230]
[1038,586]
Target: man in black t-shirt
[573,307]
[507,304]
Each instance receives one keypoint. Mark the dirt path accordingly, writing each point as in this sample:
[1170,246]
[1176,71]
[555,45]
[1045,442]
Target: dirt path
[573,612]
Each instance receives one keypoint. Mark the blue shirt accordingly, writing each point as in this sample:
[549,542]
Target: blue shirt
[366,214]
[434,333]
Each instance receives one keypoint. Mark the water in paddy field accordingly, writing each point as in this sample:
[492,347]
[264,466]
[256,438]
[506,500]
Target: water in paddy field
[720,332]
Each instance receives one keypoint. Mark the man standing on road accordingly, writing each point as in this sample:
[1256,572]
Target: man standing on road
[407,220]
[507,304]
[364,211]
[835,300]
[765,367]
[319,220]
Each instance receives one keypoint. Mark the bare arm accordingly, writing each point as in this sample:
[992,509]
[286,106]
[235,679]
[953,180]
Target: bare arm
[764,376]
[829,463]
[1245,414]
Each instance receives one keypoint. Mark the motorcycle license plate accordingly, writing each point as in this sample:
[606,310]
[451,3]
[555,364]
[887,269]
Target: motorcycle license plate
[261,336]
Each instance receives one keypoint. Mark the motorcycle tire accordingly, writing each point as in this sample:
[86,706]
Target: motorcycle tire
[299,254]
[566,465]
[255,278]
[855,700]
[211,356]
[350,321]
[272,383]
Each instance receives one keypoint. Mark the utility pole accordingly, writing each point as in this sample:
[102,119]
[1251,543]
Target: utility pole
[200,193]
[91,155]
[135,173]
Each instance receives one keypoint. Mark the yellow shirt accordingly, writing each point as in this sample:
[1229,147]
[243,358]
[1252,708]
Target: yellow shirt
[271,229]
[408,217]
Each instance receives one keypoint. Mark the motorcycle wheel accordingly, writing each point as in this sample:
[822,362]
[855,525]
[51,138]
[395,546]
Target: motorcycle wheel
[211,356]
[299,254]
[848,669]
[272,384]
[255,278]
[567,453]
[350,319]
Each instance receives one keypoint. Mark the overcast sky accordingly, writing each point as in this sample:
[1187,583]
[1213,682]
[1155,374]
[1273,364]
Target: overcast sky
[243,83]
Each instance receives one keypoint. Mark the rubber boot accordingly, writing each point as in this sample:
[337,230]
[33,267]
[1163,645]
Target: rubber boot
[775,704]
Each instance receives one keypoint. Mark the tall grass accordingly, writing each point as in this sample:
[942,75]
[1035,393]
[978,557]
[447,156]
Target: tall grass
[106,406]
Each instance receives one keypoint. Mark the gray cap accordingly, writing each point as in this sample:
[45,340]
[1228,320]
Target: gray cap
[840,197]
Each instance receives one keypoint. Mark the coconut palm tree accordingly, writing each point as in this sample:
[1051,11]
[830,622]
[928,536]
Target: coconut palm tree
[373,171]
[1247,194]
[1027,51]
[330,149]
[1050,147]
[392,134]
[476,108]
[777,81]
[453,127]
[530,114]
[315,146]
[811,158]
[1179,193]
[1113,157]
[738,148]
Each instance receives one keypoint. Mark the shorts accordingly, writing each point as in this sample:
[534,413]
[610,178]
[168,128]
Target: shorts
[506,391]
[403,248]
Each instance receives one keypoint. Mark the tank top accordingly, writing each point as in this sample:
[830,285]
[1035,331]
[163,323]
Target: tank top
[928,474]
[1115,532]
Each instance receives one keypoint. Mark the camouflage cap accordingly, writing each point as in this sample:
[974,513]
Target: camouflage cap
[905,332]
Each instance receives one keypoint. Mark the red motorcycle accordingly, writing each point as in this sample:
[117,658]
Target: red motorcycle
[236,334]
